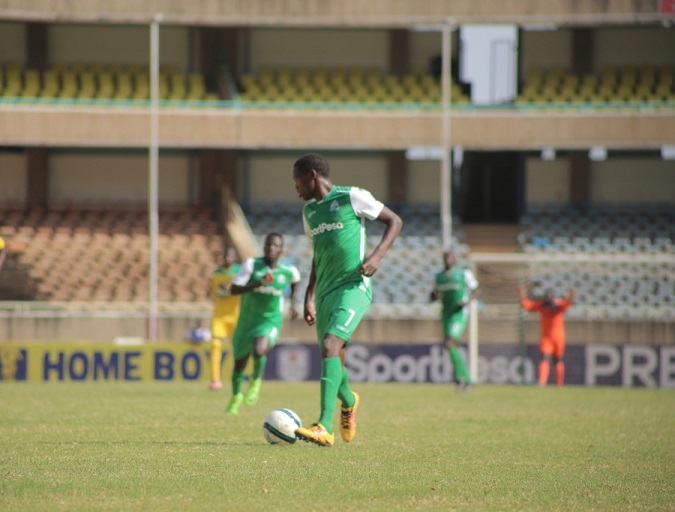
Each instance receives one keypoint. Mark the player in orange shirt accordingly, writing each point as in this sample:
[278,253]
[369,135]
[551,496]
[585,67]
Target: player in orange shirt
[552,342]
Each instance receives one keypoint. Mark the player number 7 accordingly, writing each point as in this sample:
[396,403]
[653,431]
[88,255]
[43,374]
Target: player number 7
[351,317]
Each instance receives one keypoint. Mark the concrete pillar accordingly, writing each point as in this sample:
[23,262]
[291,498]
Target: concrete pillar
[37,164]
[399,51]
[397,178]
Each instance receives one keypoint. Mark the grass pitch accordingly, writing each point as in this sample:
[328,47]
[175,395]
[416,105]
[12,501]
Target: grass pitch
[169,446]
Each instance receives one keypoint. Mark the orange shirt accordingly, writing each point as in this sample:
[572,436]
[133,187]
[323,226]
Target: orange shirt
[552,325]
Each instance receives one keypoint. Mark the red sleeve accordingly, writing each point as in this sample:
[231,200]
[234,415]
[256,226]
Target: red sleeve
[530,305]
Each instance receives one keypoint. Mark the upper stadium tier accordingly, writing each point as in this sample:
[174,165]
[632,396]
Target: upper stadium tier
[272,75]
[343,13]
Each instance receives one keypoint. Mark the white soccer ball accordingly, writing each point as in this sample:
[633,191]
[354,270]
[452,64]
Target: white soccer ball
[279,426]
[199,335]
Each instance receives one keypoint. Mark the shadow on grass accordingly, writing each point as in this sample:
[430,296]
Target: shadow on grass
[149,443]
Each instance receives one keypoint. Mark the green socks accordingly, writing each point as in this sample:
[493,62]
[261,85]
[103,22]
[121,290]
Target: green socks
[259,367]
[258,370]
[344,391]
[459,366]
[331,378]
[237,380]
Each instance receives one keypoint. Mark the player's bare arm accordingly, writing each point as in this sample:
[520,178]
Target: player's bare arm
[240,289]
[310,309]
[522,291]
[293,312]
[472,295]
[394,224]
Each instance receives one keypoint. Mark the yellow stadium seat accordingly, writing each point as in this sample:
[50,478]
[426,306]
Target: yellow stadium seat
[167,69]
[106,87]
[196,85]
[69,88]
[31,83]
[13,87]
[248,80]
[50,89]
[124,85]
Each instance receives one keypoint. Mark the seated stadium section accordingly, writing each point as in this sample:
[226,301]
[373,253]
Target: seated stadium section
[332,87]
[343,85]
[91,82]
[618,258]
[612,85]
[609,229]
[97,255]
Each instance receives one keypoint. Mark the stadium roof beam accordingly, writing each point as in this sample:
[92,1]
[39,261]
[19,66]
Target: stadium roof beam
[30,125]
[346,13]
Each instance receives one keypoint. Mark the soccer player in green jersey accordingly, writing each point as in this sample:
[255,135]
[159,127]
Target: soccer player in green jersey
[455,287]
[339,290]
[261,282]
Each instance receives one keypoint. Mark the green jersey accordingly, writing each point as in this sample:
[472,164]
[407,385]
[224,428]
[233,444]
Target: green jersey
[264,303]
[455,285]
[336,227]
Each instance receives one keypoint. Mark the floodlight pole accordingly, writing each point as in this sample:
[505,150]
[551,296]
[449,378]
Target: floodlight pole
[153,216]
[446,162]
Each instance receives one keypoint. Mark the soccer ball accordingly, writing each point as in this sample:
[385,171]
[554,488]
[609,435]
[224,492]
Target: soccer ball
[199,335]
[279,426]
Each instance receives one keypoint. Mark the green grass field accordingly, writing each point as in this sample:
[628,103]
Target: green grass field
[169,446]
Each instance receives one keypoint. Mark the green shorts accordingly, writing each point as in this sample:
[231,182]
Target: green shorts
[340,311]
[454,324]
[247,332]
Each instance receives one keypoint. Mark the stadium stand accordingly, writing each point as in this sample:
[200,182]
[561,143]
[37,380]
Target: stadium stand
[343,85]
[99,81]
[60,250]
[334,86]
[613,84]
[633,275]
[81,254]
[88,254]
[91,254]
[609,229]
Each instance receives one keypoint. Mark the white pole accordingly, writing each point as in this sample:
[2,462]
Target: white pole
[473,340]
[446,162]
[153,175]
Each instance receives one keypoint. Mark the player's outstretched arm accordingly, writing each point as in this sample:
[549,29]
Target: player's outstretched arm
[522,291]
[570,296]
[394,224]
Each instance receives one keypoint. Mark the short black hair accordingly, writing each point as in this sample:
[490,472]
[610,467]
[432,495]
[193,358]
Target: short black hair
[312,161]
[274,234]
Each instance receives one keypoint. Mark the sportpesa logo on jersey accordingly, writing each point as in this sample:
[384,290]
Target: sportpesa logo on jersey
[448,286]
[268,290]
[325,226]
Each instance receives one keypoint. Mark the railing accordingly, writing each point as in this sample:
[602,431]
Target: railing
[239,104]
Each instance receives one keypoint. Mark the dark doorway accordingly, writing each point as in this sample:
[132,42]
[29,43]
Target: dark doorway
[490,188]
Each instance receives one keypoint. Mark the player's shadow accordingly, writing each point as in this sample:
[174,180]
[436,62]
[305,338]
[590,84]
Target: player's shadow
[262,442]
